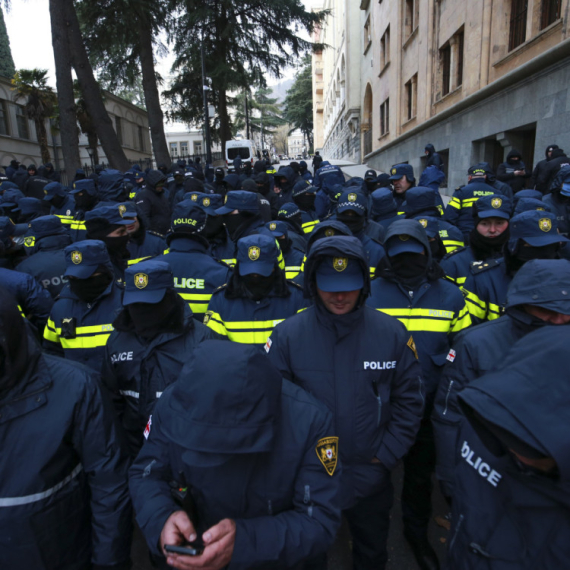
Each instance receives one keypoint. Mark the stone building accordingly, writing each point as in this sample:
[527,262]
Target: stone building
[336,82]
[475,79]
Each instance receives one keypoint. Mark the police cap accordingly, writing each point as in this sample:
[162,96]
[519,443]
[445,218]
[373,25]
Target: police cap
[240,200]
[147,282]
[83,258]
[257,254]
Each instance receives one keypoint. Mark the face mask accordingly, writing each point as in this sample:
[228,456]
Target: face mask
[355,223]
[150,319]
[57,201]
[233,223]
[285,244]
[258,285]
[214,227]
[437,248]
[305,201]
[409,268]
[117,245]
[89,289]
[544,252]
[484,247]
[85,202]
[159,189]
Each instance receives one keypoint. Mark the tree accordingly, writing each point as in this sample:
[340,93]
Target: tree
[299,101]
[281,139]
[31,85]
[242,40]
[65,96]
[86,122]
[7,67]
[121,38]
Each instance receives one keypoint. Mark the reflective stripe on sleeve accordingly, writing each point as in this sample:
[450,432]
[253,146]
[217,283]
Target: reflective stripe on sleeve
[27,499]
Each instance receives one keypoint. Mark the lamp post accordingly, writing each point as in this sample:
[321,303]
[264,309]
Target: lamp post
[205,89]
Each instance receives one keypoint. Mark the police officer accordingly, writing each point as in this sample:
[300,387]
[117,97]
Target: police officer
[63,492]
[304,196]
[327,175]
[85,195]
[81,319]
[196,274]
[261,486]
[370,181]
[409,287]
[292,255]
[291,214]
[558,160]
[249,185]
[558,200]
[111,187]
[402,178]
[47,263]
[374,389]
[109,224]
[153,206]
[384,209]
[257,295]
[142,244]
[61,203]
[285,178]
[533,235]
[491,216]
[537,297]
[510,506]
[241,217]
[154,335]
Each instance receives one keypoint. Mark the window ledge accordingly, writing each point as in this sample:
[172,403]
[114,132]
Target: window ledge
[387,133]
[367,47]
[410,38]
[449,95]
[409,121]
[384,69]
[554,27]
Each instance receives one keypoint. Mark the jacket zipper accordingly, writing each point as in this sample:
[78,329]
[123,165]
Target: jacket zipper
[447,396]
[457,527]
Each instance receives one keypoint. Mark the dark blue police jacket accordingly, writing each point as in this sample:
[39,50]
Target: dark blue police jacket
[505,515]
[374,389]
[285,504]
[152,245]
[137,372]
[327,176]
[63,489]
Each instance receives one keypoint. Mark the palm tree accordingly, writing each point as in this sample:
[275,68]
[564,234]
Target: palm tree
[31,85]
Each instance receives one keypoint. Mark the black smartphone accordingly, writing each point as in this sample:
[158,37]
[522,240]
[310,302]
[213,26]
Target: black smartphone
[190,549]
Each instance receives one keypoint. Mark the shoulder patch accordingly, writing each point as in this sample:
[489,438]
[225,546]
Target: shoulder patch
[412,346]
[268,345]
[207,317]
[454,252]
[146,431]
[155,233]
[482,266]
[451,355]
[327,452]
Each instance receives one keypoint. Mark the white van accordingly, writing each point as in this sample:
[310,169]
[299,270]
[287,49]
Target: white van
[244,148]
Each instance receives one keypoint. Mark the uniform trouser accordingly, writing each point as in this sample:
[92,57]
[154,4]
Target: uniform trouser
[419,465]
[369,523]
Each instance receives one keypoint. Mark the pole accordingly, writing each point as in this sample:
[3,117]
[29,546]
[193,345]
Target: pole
[246,118]
[205,89]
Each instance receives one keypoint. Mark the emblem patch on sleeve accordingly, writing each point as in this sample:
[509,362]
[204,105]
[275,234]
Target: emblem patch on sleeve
[327,452]
[268,345]
[452,354]
[412,345]
[146,431]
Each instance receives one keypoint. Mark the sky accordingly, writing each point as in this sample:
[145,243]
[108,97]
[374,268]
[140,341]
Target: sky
[28,25]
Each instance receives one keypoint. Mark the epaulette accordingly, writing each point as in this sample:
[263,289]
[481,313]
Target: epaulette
[478,267]
[154,233]
[220,288]
[223,263]
[290,282]
[451,253]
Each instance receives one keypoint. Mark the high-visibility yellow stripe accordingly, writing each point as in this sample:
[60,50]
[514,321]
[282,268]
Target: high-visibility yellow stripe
[138,260]
[309,226]
[422,324]
[230,262]
[291,271]
[86,337]
[475,306]
[462,321]
[372,272]
[50,332]
[198,302]
[455,203]
[494,311]
[66,220]
[411,312]
[215,322]
[451,245]
[245,332]
[85,341]
[255,325]
[30,241]
[78,225]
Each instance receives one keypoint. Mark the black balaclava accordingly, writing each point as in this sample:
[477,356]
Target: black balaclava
[514,261]
[15,355]
[116,246]
[305,201]
[11,212]
[85,201]
[258,286]
[410,268]
[371,185]
[437,248]
[214,228]
[285,243]
[57,201]
[355,223]
[235,222]
[484,247]
[91,288]
[151,319]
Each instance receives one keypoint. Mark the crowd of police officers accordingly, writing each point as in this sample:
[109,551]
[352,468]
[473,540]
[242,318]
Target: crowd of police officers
[236,361]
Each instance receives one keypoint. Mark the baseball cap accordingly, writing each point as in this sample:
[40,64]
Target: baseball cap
[403,243]
[399,170]
[116,215]
[188,216]
[526,204]
[535,228]
[147,282]
[430,225]
[420,198]
[339,273]
[53,189]
[240,200]
[493,206]
[130,210]
[477,170]
[257,254]
[277,228]
[11,198]
[84,257]
[370,175]
[354,201]
[46,226]
[86,185]
[209,203]
[288,210]
[302,187]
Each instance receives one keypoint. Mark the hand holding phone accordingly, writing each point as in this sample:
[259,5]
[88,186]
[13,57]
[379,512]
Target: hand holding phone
[188,549]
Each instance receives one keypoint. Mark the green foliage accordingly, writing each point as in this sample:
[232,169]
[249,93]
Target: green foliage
[31,85]
[264,112]
[299,101]
[7,67]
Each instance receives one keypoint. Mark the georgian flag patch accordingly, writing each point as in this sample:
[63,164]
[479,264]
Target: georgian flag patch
[146,431]
[451,355]
[268,345]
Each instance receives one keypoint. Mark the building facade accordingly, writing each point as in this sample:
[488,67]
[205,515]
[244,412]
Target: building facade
[475,80]
[19,140]
[336,82]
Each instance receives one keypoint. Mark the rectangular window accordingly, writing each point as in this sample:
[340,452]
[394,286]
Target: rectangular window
[367,34]
[411,17]
[411,92]
[198,150]
[173,148]
[119,129]
[445,55]
[22,123]
[550,12]
[141,139]
[184,147]
[3,119]
[517,31]
[385,48]
[459,70]
[385,117]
